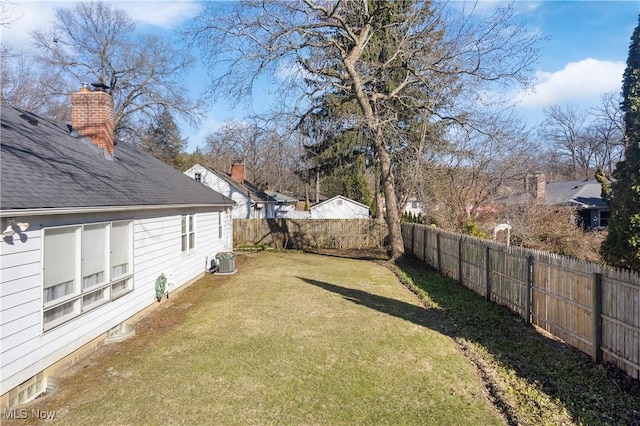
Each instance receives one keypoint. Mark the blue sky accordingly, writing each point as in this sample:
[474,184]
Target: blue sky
[584,56]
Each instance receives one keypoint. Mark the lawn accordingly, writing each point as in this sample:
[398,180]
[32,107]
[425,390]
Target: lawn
[291,339]
[532,378]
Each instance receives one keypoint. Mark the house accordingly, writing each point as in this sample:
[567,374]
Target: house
[339,207]
[88,228]
[285,206]
[251,202]
[585,196]
[413,207]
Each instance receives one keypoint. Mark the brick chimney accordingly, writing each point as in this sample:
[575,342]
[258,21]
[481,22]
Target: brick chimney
[237,172]
[540,182]
[92,117]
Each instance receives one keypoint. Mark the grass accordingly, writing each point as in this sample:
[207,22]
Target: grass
[291,339]
[533,379]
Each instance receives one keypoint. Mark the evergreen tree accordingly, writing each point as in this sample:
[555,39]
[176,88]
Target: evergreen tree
[605,184]
[622,245]
[185,161]
[162,140]
[392,60]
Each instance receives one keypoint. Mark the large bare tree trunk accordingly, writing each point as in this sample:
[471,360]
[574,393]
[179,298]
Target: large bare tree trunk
[414,62]
[396,244]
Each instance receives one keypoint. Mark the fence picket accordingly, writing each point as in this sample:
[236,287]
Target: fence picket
[594,309]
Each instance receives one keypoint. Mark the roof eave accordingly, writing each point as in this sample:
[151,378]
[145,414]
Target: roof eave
[101,209]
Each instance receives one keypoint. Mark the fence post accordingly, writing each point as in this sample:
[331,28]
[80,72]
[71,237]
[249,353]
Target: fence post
[596,316]
[487,275]
[527,294]
[413,239]
[425,239]
[460,280]
[438,252]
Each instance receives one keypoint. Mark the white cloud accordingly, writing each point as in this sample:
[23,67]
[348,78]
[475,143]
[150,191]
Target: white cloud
[164,14]
[32,15]
[577,82]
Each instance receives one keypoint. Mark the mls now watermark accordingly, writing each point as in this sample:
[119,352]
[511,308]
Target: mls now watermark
[23,413]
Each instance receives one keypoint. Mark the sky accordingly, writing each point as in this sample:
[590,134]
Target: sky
[583,56]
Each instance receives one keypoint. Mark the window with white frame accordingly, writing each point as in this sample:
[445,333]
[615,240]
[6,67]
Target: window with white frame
[220,225]
[188,232]
[84,267]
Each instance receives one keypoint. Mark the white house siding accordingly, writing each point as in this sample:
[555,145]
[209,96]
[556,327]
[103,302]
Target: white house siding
[413,207]
[25,349]
[242,208]
[339,208]
[283,210]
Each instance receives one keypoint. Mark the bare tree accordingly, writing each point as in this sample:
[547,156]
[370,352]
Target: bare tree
[390,58]
[95,43]
[466,179]
[8,14]
[268,156]
[606,131]
[22,83]
[564,129]
[579,142]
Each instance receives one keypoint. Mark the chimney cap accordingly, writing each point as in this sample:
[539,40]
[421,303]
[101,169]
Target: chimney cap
[101,87]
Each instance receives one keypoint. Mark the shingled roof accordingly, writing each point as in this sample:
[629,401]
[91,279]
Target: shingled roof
[579,193]
[44,164]
[249,189]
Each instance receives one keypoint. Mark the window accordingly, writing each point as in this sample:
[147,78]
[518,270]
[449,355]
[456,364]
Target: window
[220,225]
[120,248]
[85,267]
[198,177]
[188,233]
[94,260]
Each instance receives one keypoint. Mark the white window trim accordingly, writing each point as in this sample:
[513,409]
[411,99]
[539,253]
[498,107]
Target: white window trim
[190,247]
[78,295]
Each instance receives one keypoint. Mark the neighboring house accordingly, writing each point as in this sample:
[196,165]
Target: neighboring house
[413,207]
[583,195]
[339,207]
[87,228]
[251,202]
[285,206]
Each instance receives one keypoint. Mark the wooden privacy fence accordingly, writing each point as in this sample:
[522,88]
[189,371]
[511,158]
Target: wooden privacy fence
[590,307]
[309,233]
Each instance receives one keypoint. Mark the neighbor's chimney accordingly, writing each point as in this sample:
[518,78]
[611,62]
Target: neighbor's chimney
[92,116]
[237,172]
[540,185]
